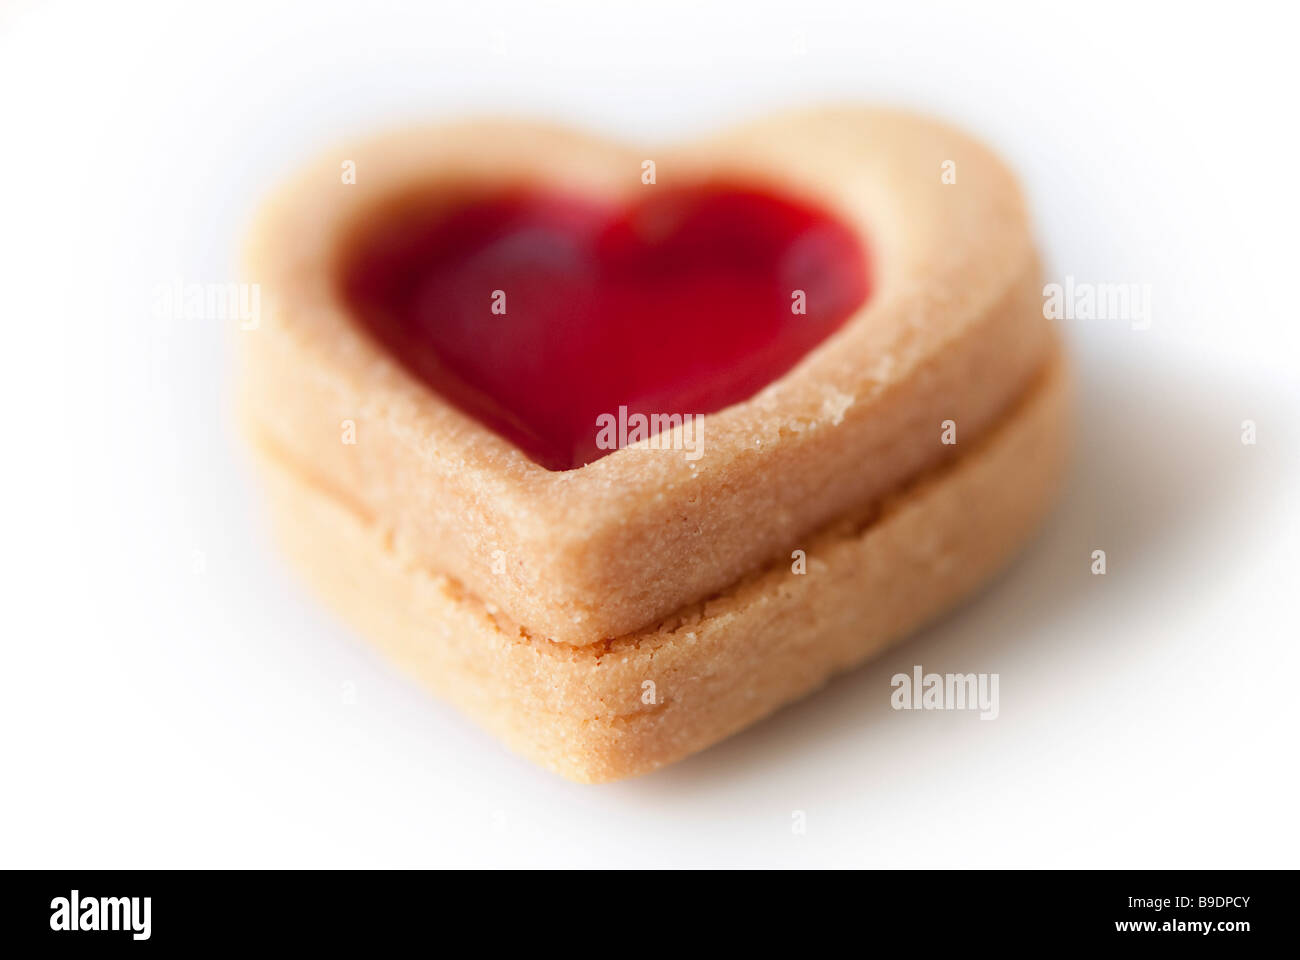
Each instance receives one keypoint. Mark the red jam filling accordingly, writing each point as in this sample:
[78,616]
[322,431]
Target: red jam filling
[538,313]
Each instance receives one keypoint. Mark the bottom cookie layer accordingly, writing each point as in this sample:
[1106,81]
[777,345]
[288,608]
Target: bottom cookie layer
[629,705]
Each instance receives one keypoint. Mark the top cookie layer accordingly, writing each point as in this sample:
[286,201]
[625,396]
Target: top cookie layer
[953,331]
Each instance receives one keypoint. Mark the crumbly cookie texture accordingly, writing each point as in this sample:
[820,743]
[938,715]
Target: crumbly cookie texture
[626,706]
[953,331]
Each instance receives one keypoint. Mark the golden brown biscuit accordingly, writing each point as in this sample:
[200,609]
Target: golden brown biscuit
[610,618]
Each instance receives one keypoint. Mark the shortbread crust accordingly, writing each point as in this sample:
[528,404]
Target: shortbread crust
[713,667]
[953,331]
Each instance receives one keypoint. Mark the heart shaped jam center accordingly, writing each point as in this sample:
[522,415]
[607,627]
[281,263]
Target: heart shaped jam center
[547,316]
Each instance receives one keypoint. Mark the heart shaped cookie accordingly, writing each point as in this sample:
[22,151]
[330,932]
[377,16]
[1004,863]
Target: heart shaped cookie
[620,463]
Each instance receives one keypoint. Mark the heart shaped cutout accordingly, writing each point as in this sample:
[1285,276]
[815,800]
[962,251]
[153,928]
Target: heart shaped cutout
[543,314]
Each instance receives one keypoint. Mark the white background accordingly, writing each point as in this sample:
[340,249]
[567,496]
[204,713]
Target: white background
[170,696]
